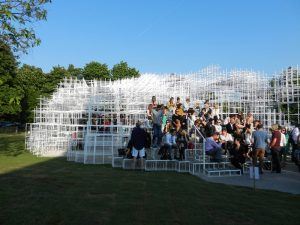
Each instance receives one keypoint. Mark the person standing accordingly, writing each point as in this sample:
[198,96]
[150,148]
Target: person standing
[283,143]
[171,105]
[187,104]
[231,127]
[275,148]
[157,115]
[139,141]
[260,141]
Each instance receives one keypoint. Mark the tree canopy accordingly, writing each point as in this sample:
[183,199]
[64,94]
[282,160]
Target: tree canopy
[96,70]
[122,70]
[16,19]
[10,94]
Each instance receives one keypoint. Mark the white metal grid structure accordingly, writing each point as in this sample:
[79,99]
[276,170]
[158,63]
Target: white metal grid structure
[287,91]
[90,120]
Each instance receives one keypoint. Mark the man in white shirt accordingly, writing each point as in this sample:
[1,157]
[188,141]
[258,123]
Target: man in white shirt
[225,136]
[170,142]
[226,140]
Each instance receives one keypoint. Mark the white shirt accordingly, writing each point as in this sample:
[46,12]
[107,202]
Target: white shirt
[248,138]
[187,105]
[218,128]
[282,140]
[228,137]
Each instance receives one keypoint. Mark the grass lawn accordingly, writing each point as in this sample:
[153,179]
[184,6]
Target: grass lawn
[53,191]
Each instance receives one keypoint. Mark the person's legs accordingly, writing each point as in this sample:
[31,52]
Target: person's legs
[159,135]
[282,156]
[169,149]
[133,163]
[134,155]
[276,161]
[277,158]
[155,135]
[286,150]
[254,156]
[261,154]
[237,164]
[216,153]
[175,152]
[142,155]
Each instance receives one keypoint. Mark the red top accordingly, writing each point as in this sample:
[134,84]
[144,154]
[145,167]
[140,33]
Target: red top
[276,134]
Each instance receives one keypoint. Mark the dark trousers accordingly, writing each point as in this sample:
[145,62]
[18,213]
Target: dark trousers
[170,148]
[216,154]
[157,134]
[237,163]
[276,160]
[294,147]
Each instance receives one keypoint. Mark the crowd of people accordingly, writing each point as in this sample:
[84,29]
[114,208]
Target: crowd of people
[178,125]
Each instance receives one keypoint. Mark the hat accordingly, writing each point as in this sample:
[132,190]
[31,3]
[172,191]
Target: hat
[274,127]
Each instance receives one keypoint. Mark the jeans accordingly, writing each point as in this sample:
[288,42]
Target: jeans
[157,134]
[276,160]
[215,153]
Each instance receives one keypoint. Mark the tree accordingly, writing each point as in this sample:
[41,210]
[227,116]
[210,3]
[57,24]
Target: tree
[96,70]
[122,70]
[53,78]
[74,72]
[16,18]
[8,64]
[32,81]
[10,95]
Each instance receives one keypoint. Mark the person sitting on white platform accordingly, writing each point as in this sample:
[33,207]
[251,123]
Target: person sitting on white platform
[212,148]
[139,141]
[226,139]
[170,142]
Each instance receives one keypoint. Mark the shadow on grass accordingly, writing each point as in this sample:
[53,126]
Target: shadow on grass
[53,191]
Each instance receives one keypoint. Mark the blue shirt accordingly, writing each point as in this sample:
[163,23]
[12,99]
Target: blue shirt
[211,144]
[260,138]
[170,139]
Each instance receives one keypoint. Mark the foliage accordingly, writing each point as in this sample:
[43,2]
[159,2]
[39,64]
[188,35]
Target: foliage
[32,81]
[10,98]
[74,72]
[96,70]
[53,78]
[122,70]
[16,18]
[10,94]
[292,115]
[8,64]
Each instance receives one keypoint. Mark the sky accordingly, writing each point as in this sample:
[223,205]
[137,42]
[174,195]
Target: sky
[170,36]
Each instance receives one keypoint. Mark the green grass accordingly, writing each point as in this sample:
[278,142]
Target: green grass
[52,191]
